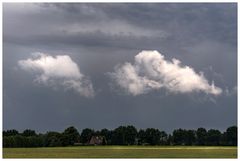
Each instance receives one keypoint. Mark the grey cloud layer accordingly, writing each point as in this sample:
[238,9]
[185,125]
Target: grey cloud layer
[116,24]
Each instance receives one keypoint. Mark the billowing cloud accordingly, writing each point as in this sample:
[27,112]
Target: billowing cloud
[56,71]
[151,71]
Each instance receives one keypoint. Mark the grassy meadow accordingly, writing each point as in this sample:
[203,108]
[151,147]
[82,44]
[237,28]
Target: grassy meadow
[122,152]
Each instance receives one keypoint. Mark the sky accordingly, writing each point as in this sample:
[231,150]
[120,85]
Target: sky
[102,65]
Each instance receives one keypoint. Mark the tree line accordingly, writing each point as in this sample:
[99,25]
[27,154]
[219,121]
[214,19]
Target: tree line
[123,135]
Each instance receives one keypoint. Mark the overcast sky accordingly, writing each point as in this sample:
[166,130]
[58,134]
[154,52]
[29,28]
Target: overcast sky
[162,65]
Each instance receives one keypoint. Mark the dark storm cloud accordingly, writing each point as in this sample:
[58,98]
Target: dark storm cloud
[75,30]
[205,20]
[182,23]
[93,39]
[99,36]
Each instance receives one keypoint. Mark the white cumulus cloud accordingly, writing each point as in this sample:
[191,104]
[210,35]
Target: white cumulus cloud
[151,71]
[58,70]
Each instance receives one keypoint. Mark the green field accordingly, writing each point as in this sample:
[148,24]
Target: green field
[122,152]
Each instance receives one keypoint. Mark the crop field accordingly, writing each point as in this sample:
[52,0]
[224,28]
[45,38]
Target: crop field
[122,152]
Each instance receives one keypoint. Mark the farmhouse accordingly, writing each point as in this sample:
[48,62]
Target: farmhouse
[97,140]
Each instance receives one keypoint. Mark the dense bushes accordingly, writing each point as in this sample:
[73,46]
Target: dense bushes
[123,135]
[23,141]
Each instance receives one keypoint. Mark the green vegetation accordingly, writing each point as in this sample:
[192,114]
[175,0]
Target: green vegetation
[145,143]
[123,135]
[123,152]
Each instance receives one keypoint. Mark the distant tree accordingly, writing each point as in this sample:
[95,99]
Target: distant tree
[118,137]
[107,134]
[35,141]
[10,132]
[29,132]
[190,137]
[97,133]
[163,138]
[130,135]
[104,141]
[124,135]
[223,139]
[170,140]
[20,141]
[70,136]
[86,135]
[52,139]
[8,141]
[231,135]
[152,136]
[179,137]
[213,137]
[201,136]
[141,137]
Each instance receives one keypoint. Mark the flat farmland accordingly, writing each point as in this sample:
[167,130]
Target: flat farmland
[123,152]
